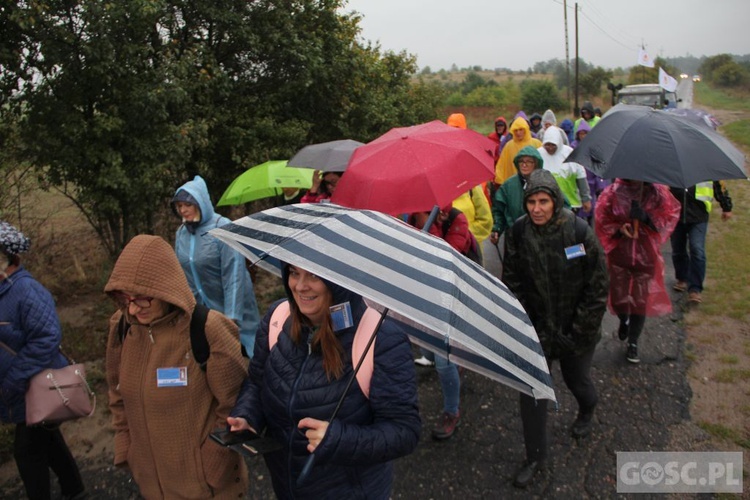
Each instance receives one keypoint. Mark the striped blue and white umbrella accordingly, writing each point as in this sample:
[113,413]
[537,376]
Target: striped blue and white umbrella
[452,306]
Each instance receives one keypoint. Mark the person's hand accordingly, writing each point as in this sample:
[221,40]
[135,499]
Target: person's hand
[494,237]
[239,424]
[726,216]
[315,430]
[587,206]
[317,178]
[637,212]
[627,230]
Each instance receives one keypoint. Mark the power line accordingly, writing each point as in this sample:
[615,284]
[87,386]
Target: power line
[608,35]
[592,7]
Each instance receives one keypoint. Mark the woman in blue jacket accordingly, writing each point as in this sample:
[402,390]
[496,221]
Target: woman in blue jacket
[30,327]
[215,272]
[293,388]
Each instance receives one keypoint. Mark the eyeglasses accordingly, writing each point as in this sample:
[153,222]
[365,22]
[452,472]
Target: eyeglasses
[526,162]
[124,300]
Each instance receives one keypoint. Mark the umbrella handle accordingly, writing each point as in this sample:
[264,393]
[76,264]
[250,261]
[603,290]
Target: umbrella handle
[636,224]
[311,459]
[306,469]
[431,219]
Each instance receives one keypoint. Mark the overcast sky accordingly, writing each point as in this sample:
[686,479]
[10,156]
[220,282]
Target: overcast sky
[516,34]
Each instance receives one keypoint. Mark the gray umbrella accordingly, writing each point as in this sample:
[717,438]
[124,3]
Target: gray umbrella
[330,156]
[641,143]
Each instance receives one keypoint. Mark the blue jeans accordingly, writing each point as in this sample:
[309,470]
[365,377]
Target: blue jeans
[689,254]
[450,382]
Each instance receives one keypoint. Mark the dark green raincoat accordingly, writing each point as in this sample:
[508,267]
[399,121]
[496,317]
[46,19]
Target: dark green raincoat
[564,298]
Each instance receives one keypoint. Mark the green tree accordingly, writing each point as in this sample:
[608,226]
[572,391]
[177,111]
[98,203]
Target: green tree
[642,74]
[540,95]
[122,101]
[711,64]
[730,75]
[591,83]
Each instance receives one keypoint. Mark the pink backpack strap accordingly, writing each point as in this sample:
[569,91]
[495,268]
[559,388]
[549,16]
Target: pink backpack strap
[278,318]
[367,326]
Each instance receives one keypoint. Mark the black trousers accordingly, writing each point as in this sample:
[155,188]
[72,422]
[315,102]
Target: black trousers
[576,372]
[39,449]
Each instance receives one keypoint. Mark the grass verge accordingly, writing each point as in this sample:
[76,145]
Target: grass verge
[716,98]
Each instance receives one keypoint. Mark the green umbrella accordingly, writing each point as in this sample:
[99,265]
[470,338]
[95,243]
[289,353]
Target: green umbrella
[264,181]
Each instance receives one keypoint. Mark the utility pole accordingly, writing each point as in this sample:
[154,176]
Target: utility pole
[576,109]
[567,52]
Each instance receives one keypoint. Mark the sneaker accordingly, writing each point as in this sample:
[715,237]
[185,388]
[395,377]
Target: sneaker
[423,361]
[695,297]
[680,286]
[526,473]
[582,425]
[446,426]
[632,354]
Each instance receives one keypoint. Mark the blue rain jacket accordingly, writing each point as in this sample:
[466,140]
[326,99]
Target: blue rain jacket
[215,272]
[28,325]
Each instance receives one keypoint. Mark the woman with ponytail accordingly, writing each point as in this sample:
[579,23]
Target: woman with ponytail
[295,382]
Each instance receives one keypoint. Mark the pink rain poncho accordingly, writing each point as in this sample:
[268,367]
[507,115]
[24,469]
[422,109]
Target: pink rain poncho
[636,266]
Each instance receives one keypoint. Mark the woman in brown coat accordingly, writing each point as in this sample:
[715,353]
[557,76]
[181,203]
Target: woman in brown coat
[163,404]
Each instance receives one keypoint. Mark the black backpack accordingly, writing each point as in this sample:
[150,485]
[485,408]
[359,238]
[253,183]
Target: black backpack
[198,340]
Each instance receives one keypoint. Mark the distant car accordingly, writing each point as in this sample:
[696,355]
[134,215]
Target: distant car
[683,75]
[696,78]
[647,94]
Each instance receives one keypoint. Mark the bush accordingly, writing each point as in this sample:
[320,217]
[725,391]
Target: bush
[540,95]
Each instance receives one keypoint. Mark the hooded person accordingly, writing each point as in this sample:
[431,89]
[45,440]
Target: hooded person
[555,267]
[500,130]
[162,419]
[521,137]
[570,176]
[216,273]
[567,126]
[30,336]
[293,388]
[550,120]
[582,130]
[507,204]
[535,124]
[457,120]
[633,220]
[587,115]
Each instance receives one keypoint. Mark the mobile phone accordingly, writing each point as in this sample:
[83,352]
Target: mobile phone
[231,438]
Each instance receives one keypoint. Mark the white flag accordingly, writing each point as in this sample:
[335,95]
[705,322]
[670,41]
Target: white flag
[667,82]
[643,58]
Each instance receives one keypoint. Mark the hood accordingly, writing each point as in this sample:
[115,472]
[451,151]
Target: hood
[501,119]
[340,294]
[553,135]
[549,117]
[543,180]
[520,123]
[198,190]
[583,125]
[587,106]
[529,151]
[457,120]
[521,114]
[535,116]
[567,125]
[149,267]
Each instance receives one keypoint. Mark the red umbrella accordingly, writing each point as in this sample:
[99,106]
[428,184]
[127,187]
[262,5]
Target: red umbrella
[413,169]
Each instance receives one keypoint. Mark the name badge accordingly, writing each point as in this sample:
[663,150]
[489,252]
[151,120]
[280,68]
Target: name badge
[171,377]
[341,316]
[575,251]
